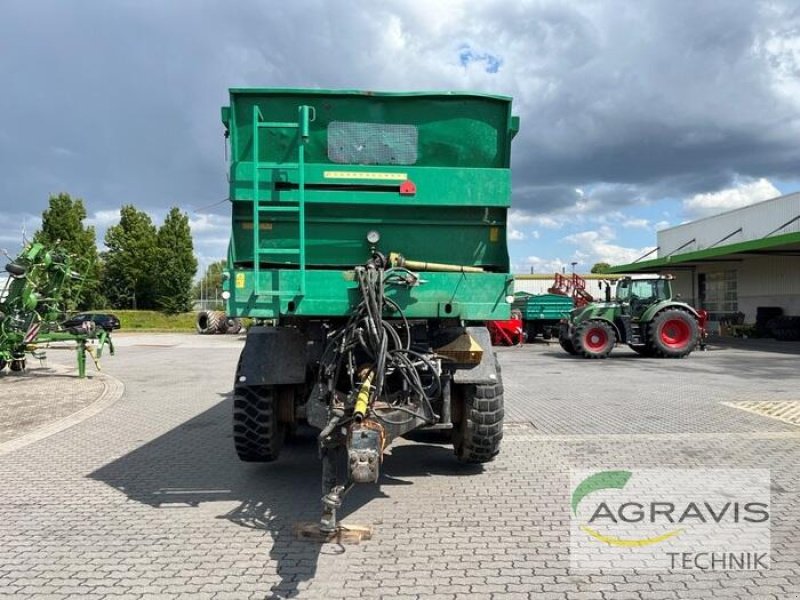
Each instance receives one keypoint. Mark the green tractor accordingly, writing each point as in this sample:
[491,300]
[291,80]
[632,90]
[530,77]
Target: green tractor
[643,315]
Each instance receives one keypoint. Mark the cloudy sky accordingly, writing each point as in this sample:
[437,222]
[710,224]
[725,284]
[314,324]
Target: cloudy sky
[635,115]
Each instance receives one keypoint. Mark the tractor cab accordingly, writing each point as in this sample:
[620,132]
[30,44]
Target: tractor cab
[636,293]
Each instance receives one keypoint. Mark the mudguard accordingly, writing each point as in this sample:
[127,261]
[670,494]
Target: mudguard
[272,356]
[486,370]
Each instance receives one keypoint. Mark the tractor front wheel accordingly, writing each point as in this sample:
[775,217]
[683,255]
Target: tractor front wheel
[567,345]
[673,333]
[594,339]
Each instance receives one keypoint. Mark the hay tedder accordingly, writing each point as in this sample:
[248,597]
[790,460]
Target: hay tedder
[369,244]
[33,303]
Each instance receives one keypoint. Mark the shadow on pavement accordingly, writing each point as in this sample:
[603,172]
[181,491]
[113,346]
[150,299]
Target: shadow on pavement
[195,463]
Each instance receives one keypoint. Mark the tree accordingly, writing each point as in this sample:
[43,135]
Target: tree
[131,262]
[210,286]
[601,267]
[62,225]
[176,263]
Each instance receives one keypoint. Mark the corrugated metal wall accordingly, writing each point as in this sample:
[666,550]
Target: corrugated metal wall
[756,221]
[769,281]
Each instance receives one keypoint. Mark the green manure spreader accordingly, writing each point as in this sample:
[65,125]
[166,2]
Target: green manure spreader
[369,244]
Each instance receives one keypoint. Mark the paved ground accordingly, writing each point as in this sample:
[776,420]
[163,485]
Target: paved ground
[147,499]
[45,393]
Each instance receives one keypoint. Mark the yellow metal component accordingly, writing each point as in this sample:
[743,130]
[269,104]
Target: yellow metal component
[398,260]
[239,281]
[464,349]
[362,400]
[365,175]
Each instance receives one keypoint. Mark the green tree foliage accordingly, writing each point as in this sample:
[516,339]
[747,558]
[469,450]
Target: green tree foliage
[177,264]
[62,225]
[601,267]
[131,263]
[210,286]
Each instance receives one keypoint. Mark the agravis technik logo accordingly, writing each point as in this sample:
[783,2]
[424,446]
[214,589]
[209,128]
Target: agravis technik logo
[679,519]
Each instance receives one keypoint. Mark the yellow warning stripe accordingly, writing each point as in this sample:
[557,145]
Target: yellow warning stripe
[365,175]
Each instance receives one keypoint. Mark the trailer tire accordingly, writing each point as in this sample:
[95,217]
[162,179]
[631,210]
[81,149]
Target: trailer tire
[477,436]
[673,333]
[594,339]
[258,433]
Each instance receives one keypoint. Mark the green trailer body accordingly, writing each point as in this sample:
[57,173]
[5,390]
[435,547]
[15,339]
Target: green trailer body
[548,307]
[368,242]
[542,313]
[313,171]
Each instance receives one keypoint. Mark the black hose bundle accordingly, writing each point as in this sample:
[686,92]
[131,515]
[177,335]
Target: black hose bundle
[368,333]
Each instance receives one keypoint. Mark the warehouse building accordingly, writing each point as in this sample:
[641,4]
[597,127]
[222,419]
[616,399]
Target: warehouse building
[734,263]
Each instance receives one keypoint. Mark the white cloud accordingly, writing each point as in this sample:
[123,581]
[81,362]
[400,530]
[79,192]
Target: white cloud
[514,235]
[636,223]
[208,222]
[742,194]
[544,265]
[596,246]
[662,225]
[103,219]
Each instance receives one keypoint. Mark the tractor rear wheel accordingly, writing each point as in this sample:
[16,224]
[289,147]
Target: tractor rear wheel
[258,431]
[479,427]
[673,333]
[594,339]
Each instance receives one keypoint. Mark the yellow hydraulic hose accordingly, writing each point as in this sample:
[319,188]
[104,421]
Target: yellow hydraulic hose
[362,400]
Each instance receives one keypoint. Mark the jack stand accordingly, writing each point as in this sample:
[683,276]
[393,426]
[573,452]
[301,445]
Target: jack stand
[331,502]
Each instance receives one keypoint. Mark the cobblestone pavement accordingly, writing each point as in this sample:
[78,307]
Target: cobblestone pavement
[45,393]
[147,499]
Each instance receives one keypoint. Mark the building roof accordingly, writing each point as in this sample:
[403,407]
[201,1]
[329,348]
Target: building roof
[787,244]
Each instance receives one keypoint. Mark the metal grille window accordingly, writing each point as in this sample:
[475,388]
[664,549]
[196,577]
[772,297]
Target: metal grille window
[372,143]
[718,293]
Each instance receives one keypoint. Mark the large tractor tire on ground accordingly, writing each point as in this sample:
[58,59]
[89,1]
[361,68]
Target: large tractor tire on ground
[673,333]
[594,339]
[567,345]
[208,321]
[477,435]
[258,432]
[222,324]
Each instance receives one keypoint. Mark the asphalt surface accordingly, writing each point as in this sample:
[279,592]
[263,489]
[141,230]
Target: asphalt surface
[147,499]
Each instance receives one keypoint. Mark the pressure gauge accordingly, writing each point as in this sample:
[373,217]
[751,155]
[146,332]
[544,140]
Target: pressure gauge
[373,237]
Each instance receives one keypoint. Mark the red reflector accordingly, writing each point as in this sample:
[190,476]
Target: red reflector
[407,188]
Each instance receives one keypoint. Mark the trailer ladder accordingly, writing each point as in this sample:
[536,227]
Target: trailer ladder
[277,207]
